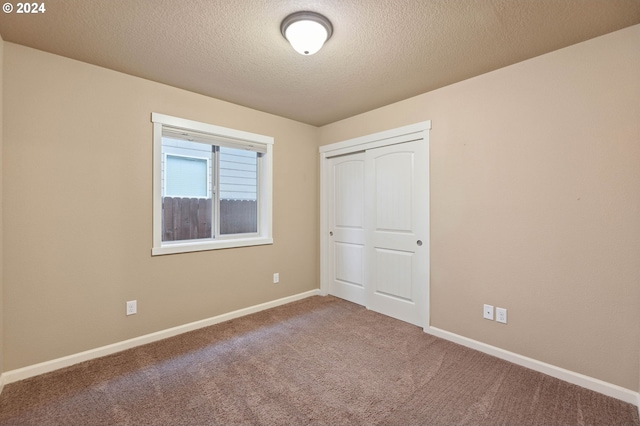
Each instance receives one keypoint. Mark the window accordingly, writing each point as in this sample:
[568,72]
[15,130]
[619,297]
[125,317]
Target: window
[186,176]
[212,187]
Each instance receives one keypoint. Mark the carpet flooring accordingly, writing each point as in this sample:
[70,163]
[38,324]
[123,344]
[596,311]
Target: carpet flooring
[320,361]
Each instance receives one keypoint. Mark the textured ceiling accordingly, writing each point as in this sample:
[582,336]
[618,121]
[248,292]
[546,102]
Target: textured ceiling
[381,51]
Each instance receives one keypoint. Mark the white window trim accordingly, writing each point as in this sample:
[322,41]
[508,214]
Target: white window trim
[264,235]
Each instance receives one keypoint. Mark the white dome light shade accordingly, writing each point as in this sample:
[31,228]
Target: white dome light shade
[306,31]
[306,37]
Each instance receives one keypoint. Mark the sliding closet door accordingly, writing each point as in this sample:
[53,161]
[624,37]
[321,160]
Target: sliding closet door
[397,255]
[375,221]
[346,227]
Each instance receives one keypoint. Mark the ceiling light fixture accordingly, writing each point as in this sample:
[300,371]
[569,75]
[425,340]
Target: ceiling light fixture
[306,31]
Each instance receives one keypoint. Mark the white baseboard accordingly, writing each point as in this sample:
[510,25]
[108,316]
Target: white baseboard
[56,364]
[591,383]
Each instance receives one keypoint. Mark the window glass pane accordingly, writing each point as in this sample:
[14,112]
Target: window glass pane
[238,191]
[187,200]
[238,174]
[186,177]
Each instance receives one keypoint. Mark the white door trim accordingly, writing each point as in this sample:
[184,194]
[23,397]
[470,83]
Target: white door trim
[417,131]
[375,140]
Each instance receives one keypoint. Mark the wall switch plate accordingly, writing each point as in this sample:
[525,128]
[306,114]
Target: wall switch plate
[487,312]
[132,307]
[276,278]
[501,315]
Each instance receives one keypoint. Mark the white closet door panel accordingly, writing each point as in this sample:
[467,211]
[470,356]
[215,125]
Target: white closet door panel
[397,221]
[349,262]
[347,227]
[393,274]
[349,193]
[394,192]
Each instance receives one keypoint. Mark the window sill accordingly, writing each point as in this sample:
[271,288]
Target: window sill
[191,246]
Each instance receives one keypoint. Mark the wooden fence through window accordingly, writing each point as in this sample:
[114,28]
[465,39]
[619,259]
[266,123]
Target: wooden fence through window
[190,218]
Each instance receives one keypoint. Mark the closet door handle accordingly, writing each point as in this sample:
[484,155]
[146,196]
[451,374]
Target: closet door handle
[419,243]
[331,234]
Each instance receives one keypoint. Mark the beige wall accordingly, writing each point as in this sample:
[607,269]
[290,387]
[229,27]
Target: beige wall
[535,204]
[1,203]
[78,234]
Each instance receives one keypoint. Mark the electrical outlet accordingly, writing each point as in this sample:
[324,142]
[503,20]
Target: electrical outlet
[487,313]
[501,315]
[132,307]
[276,278]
